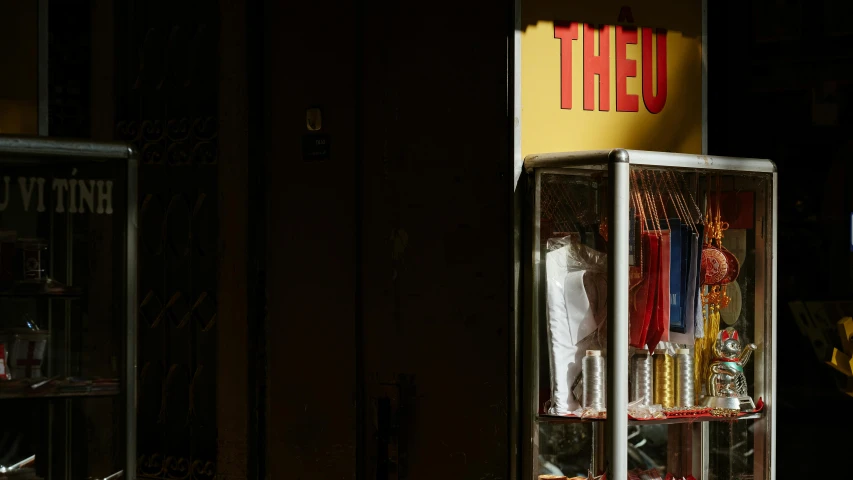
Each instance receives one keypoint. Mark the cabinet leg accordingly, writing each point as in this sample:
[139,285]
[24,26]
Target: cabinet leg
[599,455]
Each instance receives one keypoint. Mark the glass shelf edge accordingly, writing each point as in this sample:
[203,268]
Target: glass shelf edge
[15,396]
[551,419]
[23,293]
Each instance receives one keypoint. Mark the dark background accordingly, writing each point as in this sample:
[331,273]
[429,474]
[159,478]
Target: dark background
[775,69]
[357,315]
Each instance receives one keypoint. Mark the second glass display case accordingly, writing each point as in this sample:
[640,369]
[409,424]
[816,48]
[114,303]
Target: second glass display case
[67,309]
[649,319]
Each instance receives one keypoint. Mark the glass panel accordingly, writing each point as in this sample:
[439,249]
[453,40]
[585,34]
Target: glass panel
[62,317]
[647,447]
[570,218]
[732,450]
[565,449]
[699,299]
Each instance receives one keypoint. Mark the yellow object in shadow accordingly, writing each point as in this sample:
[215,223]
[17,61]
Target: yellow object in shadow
[841,362]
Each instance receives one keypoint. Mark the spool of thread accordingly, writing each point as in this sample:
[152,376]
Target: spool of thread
[684,391]
[664,379]
[593,380]
[641,377]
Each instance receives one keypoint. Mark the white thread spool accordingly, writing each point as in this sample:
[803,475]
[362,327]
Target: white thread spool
[685,392]
[641,377]
[593,380]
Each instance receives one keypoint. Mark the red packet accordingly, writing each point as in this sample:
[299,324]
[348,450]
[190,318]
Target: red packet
[664,298]
[4,373]
[639,309]
[652,332]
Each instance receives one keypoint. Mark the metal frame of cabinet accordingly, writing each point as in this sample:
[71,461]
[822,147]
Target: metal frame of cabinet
[610,435]
[43,150]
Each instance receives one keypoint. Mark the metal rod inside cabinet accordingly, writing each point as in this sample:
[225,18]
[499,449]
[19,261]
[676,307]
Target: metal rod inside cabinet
[764,312]
[673,451]
[51,423]
[680,457]
[770,402]
[515,399]
[531,330]
[760,379]
[599,446]
[51,339]
[131,314]
[68,358]
[700,455]
[617,314]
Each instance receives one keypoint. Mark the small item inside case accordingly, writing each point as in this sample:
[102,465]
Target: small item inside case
[4,372]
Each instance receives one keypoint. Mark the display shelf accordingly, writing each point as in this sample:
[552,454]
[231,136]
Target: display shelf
[56,388]
[33,396]
[67,308]
[662,421]
[69,294]
[649,275]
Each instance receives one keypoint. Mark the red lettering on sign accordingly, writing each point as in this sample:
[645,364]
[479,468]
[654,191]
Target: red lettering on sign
[654,74]
[566,32]
[625,67]
[654,100]
[596,65]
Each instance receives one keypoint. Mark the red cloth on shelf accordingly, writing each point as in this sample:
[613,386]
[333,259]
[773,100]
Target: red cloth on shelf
[4,374]
[638,298]
[659,318]
[652,314]
[664,286]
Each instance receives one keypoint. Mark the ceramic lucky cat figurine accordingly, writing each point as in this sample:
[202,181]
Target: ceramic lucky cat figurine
[727,390]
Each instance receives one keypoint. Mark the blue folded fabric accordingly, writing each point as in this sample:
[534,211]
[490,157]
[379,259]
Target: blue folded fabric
[698,314]
[677,279]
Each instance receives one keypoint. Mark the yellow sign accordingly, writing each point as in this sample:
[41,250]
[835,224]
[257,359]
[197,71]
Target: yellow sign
[602,75]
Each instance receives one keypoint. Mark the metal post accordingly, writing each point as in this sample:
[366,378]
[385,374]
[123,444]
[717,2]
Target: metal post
[530,375]
[770,438]
[617,314]
[518,415]
[131,251]
[598,462]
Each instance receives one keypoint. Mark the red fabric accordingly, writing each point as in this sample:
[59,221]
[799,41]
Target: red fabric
[662,309]
[639,299]
[759,406]
[652,332]
[4,374]
[700,413]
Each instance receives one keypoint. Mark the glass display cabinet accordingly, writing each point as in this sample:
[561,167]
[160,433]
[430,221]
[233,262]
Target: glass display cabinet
[67,309]
[649,316]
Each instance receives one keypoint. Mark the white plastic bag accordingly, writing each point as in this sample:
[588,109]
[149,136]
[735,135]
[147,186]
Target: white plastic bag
[576,278]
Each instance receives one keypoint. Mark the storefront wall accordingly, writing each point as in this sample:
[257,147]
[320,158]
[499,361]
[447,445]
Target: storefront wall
[419,178]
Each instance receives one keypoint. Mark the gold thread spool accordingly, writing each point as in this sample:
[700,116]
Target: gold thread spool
[664,379]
